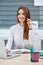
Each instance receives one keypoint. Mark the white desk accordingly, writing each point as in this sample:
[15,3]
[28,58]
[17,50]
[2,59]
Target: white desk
[20,60]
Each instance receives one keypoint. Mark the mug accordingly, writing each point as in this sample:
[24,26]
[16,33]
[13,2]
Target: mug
[34,56]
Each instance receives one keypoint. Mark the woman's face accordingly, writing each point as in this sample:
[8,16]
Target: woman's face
[21,16]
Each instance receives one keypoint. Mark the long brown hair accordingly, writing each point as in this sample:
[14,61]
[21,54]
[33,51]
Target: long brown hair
[27,15]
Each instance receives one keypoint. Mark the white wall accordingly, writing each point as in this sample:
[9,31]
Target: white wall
[4,33]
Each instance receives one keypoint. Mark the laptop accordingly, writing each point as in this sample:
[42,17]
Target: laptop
[3,53]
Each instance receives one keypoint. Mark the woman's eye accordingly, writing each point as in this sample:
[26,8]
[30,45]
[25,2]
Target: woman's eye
[23,14]
[18,13]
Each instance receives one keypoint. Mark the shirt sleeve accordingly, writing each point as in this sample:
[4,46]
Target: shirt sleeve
[10,39]
[35,40]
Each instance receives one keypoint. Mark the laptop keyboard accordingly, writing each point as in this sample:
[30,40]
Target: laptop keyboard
[11,55]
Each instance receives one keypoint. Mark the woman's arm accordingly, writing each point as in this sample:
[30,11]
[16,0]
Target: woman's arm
[10,40]
[35,39]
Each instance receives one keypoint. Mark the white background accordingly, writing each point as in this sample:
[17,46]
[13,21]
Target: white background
[38,2]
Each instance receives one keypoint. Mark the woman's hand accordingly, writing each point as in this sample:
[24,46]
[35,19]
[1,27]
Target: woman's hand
[29,22]
[7,51]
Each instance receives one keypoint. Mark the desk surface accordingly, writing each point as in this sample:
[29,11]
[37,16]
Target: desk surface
[23,59]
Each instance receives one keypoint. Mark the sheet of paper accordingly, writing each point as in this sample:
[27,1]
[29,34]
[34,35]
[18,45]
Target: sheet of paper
[19,50]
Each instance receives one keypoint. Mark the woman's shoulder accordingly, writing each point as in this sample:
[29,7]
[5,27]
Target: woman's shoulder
[14,26]
[34,31]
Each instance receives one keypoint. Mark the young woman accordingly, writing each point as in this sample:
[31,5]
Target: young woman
[22,33]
